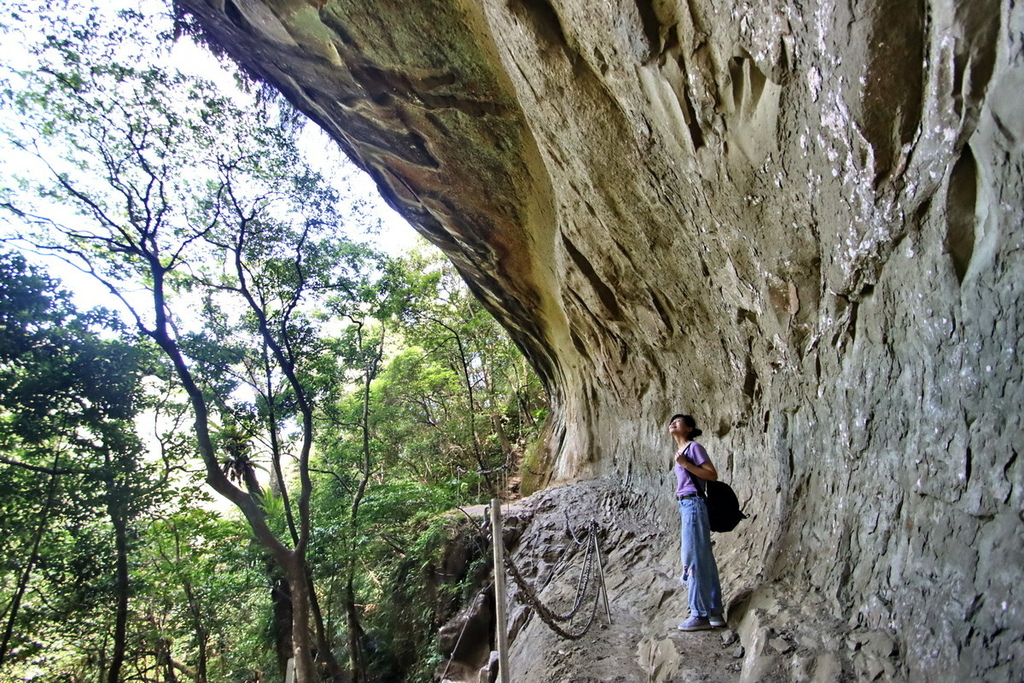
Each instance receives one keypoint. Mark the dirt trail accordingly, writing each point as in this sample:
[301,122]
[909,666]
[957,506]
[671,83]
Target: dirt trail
[774,633]
[629,650]
[646,600]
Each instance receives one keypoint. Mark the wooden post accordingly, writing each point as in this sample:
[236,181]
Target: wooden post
[499,591]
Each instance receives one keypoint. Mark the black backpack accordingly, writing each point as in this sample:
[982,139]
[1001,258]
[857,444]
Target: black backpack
[723,507]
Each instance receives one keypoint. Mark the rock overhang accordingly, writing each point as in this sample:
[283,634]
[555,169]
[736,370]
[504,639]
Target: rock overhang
[782,217]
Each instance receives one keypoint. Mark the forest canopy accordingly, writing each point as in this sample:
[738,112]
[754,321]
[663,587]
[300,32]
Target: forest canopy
[244,459]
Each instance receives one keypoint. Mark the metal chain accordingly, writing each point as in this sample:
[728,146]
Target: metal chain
[546,615]
[584,581]
[569,529]
[528,596]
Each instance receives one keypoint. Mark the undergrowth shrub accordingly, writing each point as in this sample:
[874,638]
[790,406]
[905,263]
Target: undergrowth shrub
[441,570]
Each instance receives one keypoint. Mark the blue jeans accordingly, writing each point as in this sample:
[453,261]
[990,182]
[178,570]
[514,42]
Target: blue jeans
[699,569]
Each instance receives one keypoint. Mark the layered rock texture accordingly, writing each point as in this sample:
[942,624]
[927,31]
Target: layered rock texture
[799,221]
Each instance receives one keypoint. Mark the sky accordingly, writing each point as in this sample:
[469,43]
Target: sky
[396,236]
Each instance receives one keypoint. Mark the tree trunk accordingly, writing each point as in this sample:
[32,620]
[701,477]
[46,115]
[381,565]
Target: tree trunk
[203,639]
[164,662]
[121,589]
[355,628]
[281,599]
[302,650]
[202,633]
[323,644]
[19,593]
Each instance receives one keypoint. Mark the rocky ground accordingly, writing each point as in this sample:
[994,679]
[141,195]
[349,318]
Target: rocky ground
[645,599]
[630,649]
[770,635]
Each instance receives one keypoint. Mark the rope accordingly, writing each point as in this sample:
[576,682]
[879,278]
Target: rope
[458,640]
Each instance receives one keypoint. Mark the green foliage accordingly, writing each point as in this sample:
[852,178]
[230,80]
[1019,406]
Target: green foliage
[446,561]
[74,482]
[429,444]
[196,210]
[200,583]
[295,346]
[457,405]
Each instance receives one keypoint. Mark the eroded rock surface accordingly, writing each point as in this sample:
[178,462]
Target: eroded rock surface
[800,221]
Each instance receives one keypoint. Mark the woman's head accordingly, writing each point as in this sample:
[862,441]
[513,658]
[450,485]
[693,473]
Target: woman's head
[678,421]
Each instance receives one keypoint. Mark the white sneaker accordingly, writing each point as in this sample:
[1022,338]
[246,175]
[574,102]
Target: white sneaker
[695,624]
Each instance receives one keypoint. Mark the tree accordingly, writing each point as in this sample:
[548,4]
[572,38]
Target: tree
[401,448]
[474,397]
[200,589]
[73,480]
[191,207]
[389,396]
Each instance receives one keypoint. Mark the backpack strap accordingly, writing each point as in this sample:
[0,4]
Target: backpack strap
[701,490]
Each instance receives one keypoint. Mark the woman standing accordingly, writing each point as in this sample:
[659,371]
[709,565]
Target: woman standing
[700,573]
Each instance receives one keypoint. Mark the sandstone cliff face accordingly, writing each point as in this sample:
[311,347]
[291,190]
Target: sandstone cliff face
[799,221]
